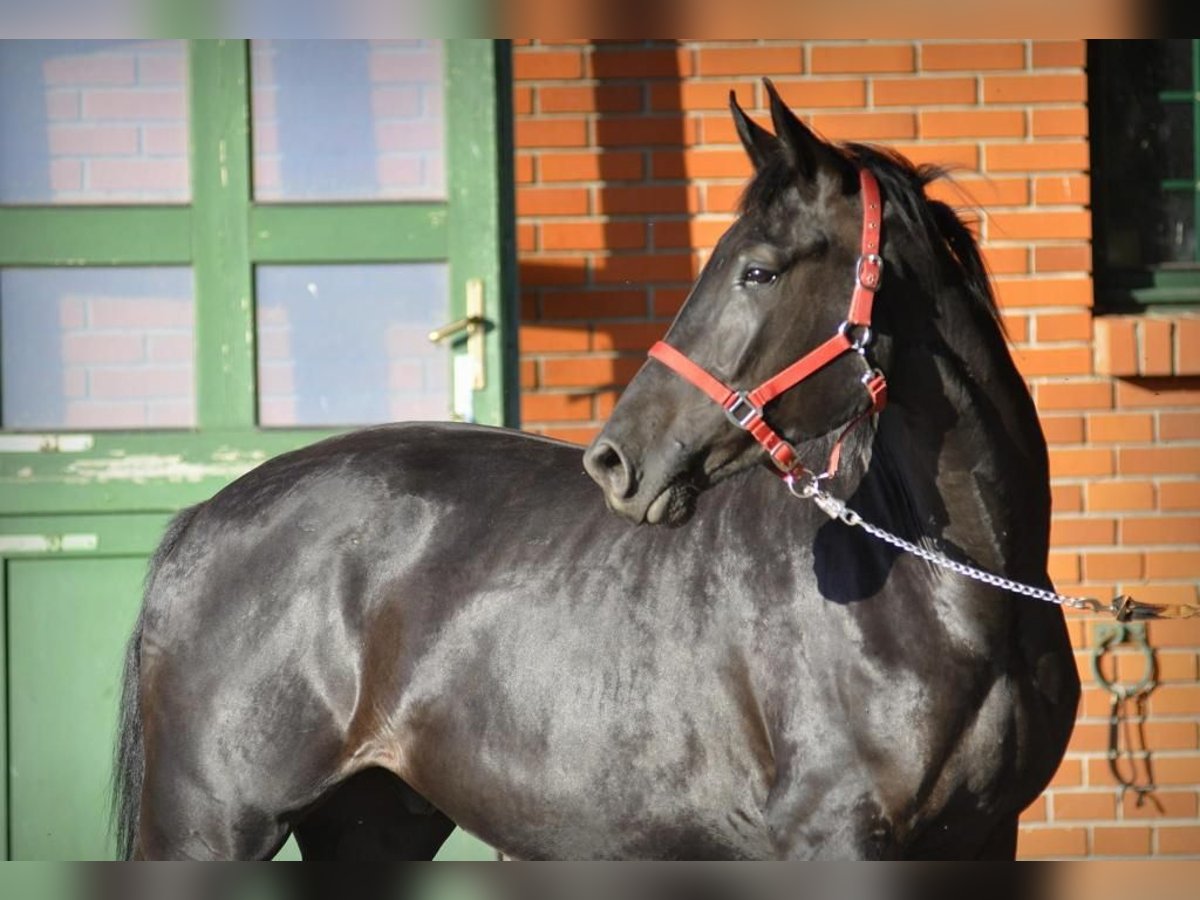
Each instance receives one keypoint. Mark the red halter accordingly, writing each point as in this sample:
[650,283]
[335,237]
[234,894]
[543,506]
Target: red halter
[745,408]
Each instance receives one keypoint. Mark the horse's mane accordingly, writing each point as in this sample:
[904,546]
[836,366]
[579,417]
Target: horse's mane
[933,222]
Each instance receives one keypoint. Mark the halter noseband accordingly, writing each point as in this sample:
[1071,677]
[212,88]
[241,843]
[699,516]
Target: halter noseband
[745,408]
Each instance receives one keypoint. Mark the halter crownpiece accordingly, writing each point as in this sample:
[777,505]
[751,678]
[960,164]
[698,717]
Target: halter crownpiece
[745,408]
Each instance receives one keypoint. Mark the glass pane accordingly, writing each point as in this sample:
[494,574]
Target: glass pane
[348,120]
[1177,137]
[1173,61]
[97,348]
[93,122]
[1175,229]
[348,345]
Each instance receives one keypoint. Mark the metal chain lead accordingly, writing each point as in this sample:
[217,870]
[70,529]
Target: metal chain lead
[836,509]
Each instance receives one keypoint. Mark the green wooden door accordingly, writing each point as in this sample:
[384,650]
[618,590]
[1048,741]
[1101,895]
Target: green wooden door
[189,289]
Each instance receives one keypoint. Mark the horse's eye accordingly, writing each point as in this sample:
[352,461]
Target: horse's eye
[758,275]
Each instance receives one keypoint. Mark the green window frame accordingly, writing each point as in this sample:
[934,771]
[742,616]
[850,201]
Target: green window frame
[1122,286]
[222,234]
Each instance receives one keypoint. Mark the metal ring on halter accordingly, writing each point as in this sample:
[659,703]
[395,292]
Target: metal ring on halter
[862,334]
[809,483]
[872,259]
[870,375]
[741,412]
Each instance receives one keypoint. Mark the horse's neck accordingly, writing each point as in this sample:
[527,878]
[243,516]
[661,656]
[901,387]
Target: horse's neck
[959,455]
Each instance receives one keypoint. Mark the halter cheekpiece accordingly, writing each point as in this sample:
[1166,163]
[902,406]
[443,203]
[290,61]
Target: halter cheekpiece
[745,408]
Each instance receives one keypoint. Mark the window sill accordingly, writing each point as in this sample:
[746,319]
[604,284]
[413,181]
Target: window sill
[1148,345]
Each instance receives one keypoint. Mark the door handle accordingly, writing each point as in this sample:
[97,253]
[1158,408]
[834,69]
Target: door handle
[473,325]
[469,324]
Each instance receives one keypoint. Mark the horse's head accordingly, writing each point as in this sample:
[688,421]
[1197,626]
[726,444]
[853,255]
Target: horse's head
[778,285]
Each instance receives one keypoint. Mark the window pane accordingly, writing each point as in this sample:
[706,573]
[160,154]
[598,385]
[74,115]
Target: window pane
[97,348]
[348,120]
[348,345]
[1175,229]
[1173,61]
[93,122]
[1177,137]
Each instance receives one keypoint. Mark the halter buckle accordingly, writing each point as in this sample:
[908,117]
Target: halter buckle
[868,271]
[741,412]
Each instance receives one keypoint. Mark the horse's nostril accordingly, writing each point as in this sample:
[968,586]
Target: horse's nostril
[608,468]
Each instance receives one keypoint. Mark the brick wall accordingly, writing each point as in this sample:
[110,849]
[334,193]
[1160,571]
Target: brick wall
[628,169]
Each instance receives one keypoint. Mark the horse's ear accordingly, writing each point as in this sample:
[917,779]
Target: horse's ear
[805,150]
[759,142]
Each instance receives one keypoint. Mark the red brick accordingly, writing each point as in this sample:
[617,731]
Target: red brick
[1067,258]
[1035,811]
[1180,633]
[593,304]
[959,157]
[864,58]
[165,140]
[552,338]
[668,301]
[1064,326]
[591,166]
[1179,840]
[1158,392]
[1035,361]
[627,335]
[1187,346]
[1059,54]
[1035,88]
[922,91]
[137,315]
[522,101]
[556,407]
[701,164]
[1069,774]
[1085,805]
[1179,495]
[523,169]
[1016,326]
[551,133]
[526,237]
[980,192]
[1021,293]
[1159,460]
[538,201]
[754,61]
[1111,496]
[640,268]
[1073,532]
[122,383]
[540,65]
[588,371]
[826,93]
[1154,356]
[1074,394]
[1063,568]
[1062,189]
[1175,700]
[866,126]
[90,348]
[643,130]
[528,371]
[972,123]
[1120,428]
[1173,564]
[1116,346]
[1051,843]
[1009,261]
[1161,530]
[1112,566]
[671,96]
[597,98]
[1120,841]
[667,62]
[1162,804]
[971,57]
[1033,225]
[593,235]
[1066,122]
[556,271]
[1038,156]
[1063,429]
[689,232]
[652,199]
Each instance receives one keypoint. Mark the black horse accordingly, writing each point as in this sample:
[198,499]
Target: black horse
[370,639]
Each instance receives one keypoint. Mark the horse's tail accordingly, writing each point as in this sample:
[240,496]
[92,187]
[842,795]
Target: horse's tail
[130,763]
